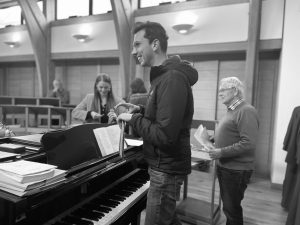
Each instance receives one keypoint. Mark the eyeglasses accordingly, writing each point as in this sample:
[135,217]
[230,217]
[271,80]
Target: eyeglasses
[225,89]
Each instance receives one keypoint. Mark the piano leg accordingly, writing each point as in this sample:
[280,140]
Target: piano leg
[136,220]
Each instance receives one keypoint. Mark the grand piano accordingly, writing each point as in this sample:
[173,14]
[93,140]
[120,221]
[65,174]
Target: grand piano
[98,190]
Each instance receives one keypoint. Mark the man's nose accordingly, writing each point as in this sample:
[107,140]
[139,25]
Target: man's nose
[133,52]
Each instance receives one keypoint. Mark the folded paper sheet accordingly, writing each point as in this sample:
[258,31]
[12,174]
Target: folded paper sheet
[202,137]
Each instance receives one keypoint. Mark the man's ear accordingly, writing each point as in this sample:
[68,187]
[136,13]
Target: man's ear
[155,44]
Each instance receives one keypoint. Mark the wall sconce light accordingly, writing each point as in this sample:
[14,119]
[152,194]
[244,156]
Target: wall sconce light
[81,37]
[183,28]
[12,44]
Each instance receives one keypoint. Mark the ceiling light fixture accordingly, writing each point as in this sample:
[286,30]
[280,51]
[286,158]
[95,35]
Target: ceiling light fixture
[183,28]
[81,37]
[12,44]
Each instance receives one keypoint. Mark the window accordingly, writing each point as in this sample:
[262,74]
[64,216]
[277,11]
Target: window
[10,16]
[71,8]
[149,3]
[101,6]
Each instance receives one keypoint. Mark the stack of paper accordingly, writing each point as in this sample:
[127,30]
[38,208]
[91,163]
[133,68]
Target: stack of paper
[9,147]
[26,177]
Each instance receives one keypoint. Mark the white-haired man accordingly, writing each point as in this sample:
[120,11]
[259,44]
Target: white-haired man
[235,144]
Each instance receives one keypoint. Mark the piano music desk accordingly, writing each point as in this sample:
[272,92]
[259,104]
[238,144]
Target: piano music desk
[198,211]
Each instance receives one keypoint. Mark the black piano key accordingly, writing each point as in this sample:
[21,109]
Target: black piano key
[113,197]
[124,186]
[117,194]
[96,207]
[122,192]
[88,214]
[104,201]
[74,220]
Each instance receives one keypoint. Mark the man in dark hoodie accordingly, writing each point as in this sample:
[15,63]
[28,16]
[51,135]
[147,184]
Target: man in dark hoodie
[164,124]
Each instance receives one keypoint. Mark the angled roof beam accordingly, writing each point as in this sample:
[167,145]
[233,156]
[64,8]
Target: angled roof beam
[123,11]
[39,33]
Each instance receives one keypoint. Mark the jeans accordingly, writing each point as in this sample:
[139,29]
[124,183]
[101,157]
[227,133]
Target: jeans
[233,184]
[163,192]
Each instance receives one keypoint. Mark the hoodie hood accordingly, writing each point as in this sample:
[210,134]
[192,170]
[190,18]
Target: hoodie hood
[175,63]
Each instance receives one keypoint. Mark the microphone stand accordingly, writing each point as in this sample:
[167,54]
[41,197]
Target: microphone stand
[121,143]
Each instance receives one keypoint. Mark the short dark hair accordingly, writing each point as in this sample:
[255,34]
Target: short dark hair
[138,86]
[153,31]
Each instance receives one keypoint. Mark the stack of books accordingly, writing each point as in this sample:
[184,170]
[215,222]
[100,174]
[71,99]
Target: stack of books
[24,178]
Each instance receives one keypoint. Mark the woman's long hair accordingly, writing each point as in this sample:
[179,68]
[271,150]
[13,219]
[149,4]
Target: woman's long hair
[111,101]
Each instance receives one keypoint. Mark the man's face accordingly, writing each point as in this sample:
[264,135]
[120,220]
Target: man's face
[56,84]
[227,95]
[142,49]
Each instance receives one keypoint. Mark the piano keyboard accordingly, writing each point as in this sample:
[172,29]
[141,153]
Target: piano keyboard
[106,207]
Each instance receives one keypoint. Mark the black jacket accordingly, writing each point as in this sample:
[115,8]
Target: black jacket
[165,125]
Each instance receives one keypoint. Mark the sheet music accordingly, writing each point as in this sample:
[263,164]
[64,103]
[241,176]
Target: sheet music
[108,139]
[133,142]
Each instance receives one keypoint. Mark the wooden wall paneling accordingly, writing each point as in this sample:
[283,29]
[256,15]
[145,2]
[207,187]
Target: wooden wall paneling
[266,90]
[230,68]
[204,90]
[144,74]
[81,81]
[2,81]
[21,81]
[113,72]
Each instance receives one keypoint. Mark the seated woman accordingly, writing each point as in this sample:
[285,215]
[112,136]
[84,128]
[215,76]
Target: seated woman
[99,106]
[138,95]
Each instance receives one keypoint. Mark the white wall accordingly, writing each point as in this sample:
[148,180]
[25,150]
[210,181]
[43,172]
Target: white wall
[212,25]
[288,86]
[102,34]
[22,37]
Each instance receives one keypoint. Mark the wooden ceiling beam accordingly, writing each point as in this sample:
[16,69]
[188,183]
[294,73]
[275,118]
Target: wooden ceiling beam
[123,13]
[252,51]
[39,32]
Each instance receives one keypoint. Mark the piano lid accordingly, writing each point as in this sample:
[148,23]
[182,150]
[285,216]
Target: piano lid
[75,146]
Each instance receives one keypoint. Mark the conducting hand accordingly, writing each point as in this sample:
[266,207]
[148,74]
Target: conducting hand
[124,117]
[131,108]
[95,115]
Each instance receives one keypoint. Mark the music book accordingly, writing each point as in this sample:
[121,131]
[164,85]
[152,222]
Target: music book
[15,185]
[5,156]
[22,193]
[202,137]
[108,139]
[32,139]
[9,147]
[26,171]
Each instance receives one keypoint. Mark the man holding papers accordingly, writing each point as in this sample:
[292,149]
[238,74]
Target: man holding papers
[165,123]
[235,143]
